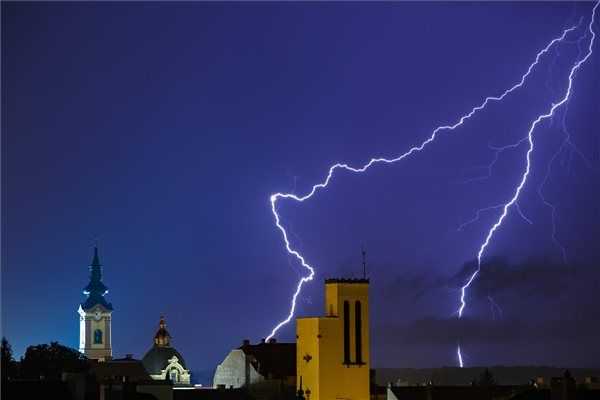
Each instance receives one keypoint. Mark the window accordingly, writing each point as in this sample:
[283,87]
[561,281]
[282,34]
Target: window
[174,375]
[98,336]
[346,332]
[358,332]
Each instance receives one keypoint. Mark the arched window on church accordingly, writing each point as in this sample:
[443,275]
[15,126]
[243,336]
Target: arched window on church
[98,336]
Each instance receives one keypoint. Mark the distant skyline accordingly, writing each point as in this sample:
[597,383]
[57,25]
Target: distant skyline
[161,130]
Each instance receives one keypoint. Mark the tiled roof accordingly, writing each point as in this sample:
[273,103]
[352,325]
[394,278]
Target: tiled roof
[272,359]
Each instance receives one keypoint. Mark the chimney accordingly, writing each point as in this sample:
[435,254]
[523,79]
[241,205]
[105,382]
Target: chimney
[262,340]
[246,342]
[272,340]
[129,356]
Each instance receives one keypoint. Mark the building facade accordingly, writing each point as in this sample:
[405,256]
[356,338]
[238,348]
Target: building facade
[265,363]
[332,358]
[95,316]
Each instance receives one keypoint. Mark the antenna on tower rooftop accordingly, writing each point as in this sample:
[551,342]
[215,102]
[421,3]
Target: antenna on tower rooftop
[364,260]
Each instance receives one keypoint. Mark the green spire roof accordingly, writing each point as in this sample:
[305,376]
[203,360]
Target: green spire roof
[95,289]
[96,259]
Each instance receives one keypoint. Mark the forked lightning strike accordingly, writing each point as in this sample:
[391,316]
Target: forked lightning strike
[279,196]
[523,180]
[566,144]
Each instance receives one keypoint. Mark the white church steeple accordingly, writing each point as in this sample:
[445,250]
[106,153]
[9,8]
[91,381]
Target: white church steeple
[95,316]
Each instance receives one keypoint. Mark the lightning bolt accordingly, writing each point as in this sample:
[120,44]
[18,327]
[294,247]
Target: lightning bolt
[460,360]
[497,152]
[276,197]
[482,210]
[494,307]
[513,200]
[566,143]
[551,206]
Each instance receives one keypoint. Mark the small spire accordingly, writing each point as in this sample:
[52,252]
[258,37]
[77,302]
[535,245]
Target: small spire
[95,289]
[96,259]
[162,337]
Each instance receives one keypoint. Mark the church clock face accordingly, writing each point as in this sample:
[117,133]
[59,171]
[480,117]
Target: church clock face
[97,316]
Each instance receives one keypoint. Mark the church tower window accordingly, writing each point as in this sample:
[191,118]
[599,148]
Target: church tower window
[346,332]
[358,332]
[98,336]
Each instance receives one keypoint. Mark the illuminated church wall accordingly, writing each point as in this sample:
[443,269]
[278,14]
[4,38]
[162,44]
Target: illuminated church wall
[333,357]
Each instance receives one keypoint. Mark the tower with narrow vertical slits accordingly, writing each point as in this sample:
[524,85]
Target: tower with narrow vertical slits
[333,351]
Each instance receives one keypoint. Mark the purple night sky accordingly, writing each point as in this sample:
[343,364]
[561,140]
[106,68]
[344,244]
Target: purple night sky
[163,129]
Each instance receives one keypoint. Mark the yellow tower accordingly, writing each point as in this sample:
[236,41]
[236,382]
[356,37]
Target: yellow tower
[332,356]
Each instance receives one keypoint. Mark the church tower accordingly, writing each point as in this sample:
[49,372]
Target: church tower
[95,316]
[332,357]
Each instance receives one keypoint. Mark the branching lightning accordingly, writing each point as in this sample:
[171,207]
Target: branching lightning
[497,152]
[495,308]
[576,66]
[565,144]
[482,210]
[478,215]
[276,197]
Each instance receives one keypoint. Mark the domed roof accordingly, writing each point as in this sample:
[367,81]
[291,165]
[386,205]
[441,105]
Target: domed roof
[157,358]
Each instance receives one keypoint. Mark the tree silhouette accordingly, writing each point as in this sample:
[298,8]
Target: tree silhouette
[486,379]
[8,362]
[50,361]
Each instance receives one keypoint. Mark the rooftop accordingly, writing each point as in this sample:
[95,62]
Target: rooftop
[346,280]
[272,359]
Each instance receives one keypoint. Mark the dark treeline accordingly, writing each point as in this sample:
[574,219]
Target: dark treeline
[42,361]
[40,371]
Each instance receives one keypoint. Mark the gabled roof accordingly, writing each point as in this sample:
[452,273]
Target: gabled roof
[271,359]
[130,368]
